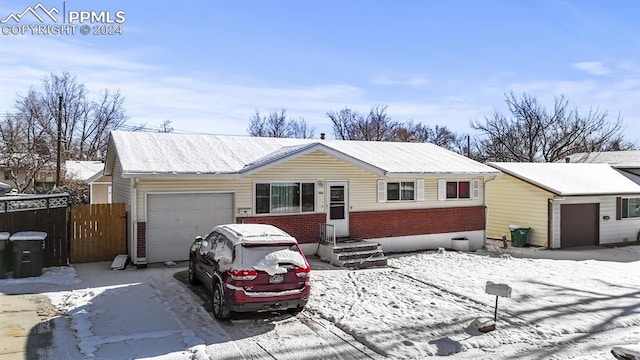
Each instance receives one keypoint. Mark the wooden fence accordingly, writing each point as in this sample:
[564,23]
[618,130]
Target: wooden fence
[98,232]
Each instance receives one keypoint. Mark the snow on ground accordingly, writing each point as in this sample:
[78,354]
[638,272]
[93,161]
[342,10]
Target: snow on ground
[564,305]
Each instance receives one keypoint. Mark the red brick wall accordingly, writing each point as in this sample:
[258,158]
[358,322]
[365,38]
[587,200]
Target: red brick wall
[305,228]
[142,239]
[375,224]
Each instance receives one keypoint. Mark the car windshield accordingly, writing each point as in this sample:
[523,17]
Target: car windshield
[271,258]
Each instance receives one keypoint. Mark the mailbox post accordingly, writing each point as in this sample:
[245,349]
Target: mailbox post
[499,290]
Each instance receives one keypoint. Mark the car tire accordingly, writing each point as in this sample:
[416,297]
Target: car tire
[220,310]
[193,278]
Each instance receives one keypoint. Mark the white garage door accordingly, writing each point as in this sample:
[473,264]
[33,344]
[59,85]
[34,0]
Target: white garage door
[174,220]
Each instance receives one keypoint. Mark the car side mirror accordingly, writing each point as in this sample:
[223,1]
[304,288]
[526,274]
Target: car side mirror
[198,240]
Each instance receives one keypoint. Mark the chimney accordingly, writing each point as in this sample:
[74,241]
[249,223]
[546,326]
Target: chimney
[321,136]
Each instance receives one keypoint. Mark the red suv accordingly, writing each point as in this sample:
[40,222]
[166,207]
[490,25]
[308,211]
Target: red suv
[249,268]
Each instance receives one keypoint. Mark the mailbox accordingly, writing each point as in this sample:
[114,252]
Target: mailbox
[502,290]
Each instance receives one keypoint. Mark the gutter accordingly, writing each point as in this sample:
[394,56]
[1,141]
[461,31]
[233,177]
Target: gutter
[486,210]
[134,219]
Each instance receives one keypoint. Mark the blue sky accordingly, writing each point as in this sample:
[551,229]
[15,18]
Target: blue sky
[208,65]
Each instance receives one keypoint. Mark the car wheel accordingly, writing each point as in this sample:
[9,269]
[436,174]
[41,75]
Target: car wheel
[193,278]
[220,310]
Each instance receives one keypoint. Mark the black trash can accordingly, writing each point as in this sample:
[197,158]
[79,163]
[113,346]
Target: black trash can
[27,252]
[5,255]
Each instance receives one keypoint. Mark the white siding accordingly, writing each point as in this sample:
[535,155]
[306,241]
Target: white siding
[611,230]
[121,191]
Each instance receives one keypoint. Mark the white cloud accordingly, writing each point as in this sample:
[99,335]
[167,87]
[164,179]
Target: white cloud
[592,67]
[385,80]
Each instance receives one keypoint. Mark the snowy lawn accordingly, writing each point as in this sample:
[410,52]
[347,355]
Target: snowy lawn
[423,305]
[418,307]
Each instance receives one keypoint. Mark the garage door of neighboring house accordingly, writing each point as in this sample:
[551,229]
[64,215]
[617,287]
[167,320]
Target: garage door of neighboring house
[579,225]
[174,220]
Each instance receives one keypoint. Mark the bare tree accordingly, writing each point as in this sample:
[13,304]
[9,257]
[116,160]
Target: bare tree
[378,126]
[438,135]
[532,133]
[84,127]
[344,123]
[165,127]
[351,125]
[25,150]
[278,124]
[300,129]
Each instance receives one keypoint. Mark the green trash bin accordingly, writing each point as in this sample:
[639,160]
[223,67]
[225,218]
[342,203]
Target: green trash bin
[5,255]
[519,235]
[27,252]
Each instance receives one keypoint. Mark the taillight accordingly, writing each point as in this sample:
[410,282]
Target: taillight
[303,272]
[243,274]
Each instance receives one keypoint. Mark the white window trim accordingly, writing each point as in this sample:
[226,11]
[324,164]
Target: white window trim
[418,191]
[474,189]
[621,210]
[270,182]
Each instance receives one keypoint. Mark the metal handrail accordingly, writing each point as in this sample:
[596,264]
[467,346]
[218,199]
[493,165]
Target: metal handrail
[327,234]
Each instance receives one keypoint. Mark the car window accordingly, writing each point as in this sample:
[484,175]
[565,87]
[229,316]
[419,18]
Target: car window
[271,258]
[219,242]
[223,252]
[207,243]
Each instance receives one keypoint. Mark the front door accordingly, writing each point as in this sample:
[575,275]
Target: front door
[338,206]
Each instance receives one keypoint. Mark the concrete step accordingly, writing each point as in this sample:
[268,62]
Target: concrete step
[345,256]
[352,247]
[359,264]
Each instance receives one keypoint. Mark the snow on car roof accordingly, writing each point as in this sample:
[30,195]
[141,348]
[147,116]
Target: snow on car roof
[257,233]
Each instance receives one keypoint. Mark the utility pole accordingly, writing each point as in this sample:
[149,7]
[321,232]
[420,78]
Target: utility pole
[59,139]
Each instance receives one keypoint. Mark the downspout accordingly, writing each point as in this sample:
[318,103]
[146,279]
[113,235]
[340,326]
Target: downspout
[486,210]
[134,220]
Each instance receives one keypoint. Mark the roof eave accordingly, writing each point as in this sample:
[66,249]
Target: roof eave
[443,174]
[178,176]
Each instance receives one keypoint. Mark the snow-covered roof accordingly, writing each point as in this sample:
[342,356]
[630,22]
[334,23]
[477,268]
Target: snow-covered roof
[571,178]
[168,154]
[618,159]
[82,170]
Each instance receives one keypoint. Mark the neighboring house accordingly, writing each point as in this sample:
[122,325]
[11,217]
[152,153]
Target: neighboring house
[406,196]
[43,180]
[628,161]
[565,205]
[90,172]
[99,188]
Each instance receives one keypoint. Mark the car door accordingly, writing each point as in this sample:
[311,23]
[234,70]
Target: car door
[205,265]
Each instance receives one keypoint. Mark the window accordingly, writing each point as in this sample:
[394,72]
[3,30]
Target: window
[630,208]
[458,190]
[285,198]
[452,190]
[7,175]
[401,191]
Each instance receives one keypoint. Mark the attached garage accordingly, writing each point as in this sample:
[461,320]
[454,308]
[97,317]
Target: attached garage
[174,220]
[579,225]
